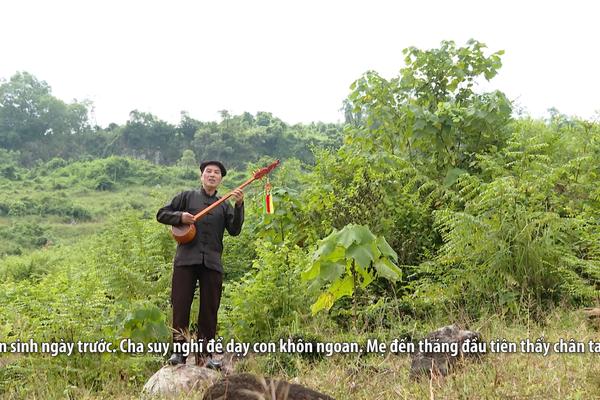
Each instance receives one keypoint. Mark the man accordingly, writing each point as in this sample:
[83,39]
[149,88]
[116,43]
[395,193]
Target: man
[200,259]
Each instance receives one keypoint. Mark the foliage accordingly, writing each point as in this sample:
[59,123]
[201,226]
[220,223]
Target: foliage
[41,127]
[430,113]
[378,190]
[268,297]
[28,112]
[23,236]
[9,161]
[503,253]
[520,242]
[289,222]
[31,266]
[283,224]
[42,204]
[484,216]
[349,259]
[87,290]
[188,160]
[139,262]
[240,254]
[146,324]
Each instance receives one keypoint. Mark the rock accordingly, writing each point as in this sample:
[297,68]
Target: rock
[250,387]
[173,381]
[592,313]
[593,316]
[444,352]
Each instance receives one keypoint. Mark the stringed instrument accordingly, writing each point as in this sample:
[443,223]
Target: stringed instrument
[185,233]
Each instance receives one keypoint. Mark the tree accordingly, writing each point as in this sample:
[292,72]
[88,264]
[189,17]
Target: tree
[188,126]
[150,135]
[430,113]
[225,117]
[34,121]
[188,160]
[349,259]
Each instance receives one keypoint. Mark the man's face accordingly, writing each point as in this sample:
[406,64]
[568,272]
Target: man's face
[211,177]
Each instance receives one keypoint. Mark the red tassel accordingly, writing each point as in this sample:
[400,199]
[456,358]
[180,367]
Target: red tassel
[268,198]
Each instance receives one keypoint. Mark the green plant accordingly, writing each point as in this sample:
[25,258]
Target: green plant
[268,297]
[349,259]
[145,324]
[430,114]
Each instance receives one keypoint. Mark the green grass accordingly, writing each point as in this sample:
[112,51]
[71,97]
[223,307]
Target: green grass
[60,289]
[496,376]
[69,233]
[100,204]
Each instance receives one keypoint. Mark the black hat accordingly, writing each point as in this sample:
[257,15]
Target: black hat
[217,163]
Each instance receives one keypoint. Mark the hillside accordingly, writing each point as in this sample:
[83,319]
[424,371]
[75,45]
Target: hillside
[436,206]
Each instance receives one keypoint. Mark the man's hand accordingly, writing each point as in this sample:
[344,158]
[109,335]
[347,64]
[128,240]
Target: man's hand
[238,195]
[187,218]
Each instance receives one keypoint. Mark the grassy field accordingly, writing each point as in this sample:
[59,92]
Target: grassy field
[20,230]
[344,376]
[94,271]
[496,376]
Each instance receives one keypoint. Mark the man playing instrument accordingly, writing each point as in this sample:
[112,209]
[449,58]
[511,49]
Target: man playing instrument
[200,259]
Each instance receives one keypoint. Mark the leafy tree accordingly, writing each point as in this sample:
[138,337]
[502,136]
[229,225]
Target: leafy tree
[526,237]
[188,126]
[30,115]
[349,259]
[9,164]
[211,144]
[430,113]
[188,160]
[156,139]
[42,127]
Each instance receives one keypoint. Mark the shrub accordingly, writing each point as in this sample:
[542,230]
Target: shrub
[268,297]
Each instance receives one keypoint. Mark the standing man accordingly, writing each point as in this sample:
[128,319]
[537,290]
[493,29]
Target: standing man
[200,259]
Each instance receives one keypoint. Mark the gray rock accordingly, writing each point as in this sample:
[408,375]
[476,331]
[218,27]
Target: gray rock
[592,313]
[250,387]
[444,351]
[174,381]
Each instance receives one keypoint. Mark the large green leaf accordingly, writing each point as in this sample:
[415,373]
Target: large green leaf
[324,302]
[367,277]
[361,254]
[375,250]
[341,288]
[387,269]
[386,249]
[311,272]
[326,246]
[330,271]
[337,290]
[356,244]
[355,234]
[337,254]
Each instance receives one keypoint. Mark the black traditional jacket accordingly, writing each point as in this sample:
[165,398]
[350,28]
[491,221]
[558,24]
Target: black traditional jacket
[207,246]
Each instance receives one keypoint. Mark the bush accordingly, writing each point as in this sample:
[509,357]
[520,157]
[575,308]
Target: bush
[104,183]
[504,252]
[269,297]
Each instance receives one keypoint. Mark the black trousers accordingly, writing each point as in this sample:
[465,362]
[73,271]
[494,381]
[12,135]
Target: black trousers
[183,290]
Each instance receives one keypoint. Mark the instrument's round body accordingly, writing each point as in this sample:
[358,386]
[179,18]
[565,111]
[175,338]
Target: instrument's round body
[183,233]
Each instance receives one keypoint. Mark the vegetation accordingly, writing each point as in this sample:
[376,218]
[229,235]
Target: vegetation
[35,127]
[434,205]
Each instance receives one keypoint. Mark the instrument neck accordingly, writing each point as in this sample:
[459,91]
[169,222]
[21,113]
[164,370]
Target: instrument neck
[222,199]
